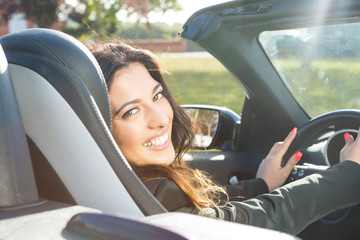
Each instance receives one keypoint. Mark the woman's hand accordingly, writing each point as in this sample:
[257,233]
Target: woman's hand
[270,168]
[351,150]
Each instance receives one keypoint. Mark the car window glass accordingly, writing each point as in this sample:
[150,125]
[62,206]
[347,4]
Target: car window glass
[319,65]
[199,78]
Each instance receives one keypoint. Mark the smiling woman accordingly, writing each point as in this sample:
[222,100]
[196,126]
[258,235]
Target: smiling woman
[154,132]
[145,113]
[65,108]
[145,116]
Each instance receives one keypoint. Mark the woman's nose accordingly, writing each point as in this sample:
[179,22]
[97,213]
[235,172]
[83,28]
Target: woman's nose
[157,117]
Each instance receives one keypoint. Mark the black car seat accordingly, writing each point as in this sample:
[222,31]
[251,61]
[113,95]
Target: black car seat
[65,108]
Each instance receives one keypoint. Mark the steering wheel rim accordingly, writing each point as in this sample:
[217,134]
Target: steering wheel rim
[340,119]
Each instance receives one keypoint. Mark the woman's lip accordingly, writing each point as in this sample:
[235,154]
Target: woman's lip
[159,134]
[165,145]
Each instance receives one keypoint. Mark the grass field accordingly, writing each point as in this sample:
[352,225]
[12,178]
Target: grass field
[321,87]
[202,81]
[324,85]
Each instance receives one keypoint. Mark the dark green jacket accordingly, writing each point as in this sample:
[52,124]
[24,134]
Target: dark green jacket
[290,208]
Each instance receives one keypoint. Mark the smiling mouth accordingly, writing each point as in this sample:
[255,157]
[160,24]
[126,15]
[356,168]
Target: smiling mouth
[157,141]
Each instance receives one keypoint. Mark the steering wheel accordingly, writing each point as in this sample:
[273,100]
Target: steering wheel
[329,127]
[340,121]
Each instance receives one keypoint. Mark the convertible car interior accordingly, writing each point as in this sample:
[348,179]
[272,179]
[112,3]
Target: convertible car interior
[64,177]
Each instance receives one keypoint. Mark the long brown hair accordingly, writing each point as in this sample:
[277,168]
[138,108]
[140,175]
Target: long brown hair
[197,185]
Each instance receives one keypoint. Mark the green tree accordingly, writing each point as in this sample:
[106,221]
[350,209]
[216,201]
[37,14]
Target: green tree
[42,12]
[142,8]
[98,18]
[47,12]
[95,18]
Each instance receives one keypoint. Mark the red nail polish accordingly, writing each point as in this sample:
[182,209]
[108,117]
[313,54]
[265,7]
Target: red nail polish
[346,136]
[298,155]
[294,130]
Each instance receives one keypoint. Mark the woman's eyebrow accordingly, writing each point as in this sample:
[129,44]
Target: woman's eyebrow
[156,87]
[135,100]
[125,104]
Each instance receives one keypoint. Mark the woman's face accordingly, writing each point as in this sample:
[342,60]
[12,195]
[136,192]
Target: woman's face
[142,117]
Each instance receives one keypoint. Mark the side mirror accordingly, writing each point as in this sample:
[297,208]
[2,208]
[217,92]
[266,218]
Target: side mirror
[215,127]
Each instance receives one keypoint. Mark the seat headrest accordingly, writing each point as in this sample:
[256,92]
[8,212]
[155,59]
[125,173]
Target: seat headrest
[67,51]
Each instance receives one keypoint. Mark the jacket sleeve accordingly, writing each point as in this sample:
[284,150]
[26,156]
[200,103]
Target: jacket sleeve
[174,199]
[170,195]
[290,208]
[294,206]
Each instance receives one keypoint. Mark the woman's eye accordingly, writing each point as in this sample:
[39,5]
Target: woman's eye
[159,96]
[130,113]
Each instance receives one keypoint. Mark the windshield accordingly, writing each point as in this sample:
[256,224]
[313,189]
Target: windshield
[319,65]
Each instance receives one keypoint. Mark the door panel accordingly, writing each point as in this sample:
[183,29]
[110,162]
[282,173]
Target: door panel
[222,165]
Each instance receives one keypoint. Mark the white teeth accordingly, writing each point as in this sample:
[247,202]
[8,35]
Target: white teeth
[158,141]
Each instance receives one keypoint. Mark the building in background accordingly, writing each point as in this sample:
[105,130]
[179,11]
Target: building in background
[13,17]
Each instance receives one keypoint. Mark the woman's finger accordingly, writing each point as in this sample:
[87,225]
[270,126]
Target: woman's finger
[293,160]
[275,148]
[287,141]
[348,137]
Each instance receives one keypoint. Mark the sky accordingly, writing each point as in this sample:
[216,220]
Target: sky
[189,7]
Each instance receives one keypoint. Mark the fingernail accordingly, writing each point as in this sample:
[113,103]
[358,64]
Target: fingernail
[298,155]
[294,130]
[346,136]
